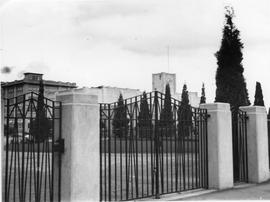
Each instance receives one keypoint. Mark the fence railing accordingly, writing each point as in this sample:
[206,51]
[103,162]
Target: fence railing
[31,128]
[239,133]
[147,151]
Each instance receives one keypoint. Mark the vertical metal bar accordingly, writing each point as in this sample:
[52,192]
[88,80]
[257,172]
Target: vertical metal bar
[126,157]
[59,154]
[105,153]
[17,153]
[109,152]
[23,142]
[131,157]
[31,146]
[176,152]
[135,109]
[51,169]
[206,147]
[184,153]
[156,145]
[196,147]
[188,147]
[100,152]
[160,133]
[201,155]
[203,149]
[148,131]
[141,139]
[27,161]
[121,164]
[115,157]
[7,150]
[151,148]
[173,138]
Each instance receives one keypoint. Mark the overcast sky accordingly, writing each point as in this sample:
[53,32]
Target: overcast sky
[121,43]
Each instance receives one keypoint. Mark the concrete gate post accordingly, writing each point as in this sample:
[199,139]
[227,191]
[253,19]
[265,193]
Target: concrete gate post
[257,144]
[80,160]
[220,160]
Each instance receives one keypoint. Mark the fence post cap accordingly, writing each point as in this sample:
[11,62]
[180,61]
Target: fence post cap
[216,106]
[253,109]
[75,97]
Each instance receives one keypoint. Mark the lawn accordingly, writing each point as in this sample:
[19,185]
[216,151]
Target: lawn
[31,182]
[133,176]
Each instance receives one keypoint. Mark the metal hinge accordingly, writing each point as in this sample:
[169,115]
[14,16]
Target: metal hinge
[59,146]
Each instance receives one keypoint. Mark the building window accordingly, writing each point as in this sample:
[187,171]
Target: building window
[19,90]
[36,77]
[10,92]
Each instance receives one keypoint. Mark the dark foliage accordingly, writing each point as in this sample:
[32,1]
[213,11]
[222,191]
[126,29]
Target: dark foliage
[230,82]
[203,98]
[41,125]
[144,118]
[184,114]
[258,95]
[166,115]
[120,120]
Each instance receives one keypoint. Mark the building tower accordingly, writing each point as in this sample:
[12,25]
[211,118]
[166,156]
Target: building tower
[160,80]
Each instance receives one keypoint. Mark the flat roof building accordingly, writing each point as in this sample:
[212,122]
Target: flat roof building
[30,83]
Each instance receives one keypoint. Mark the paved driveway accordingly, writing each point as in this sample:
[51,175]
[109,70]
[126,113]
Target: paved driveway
[241,192]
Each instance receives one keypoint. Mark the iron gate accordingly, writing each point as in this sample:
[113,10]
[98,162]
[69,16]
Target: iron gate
[239,138]
[147,151]
[32,137]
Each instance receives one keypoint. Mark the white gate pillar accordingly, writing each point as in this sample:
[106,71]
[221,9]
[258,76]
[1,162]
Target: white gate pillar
[220,160]
[257,144]
[80,160]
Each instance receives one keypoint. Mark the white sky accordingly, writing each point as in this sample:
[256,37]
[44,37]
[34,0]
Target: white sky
[121,43]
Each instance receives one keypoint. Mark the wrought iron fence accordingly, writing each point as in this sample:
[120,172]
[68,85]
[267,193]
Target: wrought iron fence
[32,129]
[146,151]
[239,138]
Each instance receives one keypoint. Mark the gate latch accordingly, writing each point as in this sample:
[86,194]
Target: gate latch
[59,145]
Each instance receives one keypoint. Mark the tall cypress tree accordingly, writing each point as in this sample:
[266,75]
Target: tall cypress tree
[184,114]
[258,95]
[184,96]
[166,115]
[120,120]
[203,98]
[230,82]
[40,127]
[144,118]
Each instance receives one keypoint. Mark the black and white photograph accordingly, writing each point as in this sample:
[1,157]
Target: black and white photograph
[135,100]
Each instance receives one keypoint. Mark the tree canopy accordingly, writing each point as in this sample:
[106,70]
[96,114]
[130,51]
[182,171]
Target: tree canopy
[41,125]
[166,115]
[144,118]
[184,114]
[120,120]
[230,82]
